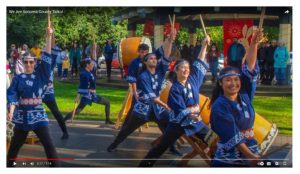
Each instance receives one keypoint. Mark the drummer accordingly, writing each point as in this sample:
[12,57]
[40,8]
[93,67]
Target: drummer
[26,111]
[184,102]
[49,97]
[232,114]
[147,105]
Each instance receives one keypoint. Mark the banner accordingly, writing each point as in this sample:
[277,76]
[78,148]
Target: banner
[240,28]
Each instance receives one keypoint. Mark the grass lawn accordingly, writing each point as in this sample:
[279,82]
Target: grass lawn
[274,109]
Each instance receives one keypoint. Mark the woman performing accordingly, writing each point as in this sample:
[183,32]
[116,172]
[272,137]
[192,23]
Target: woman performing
[26,111]
[232,114]
[147,105]
[87,90]
[49,97]
[183,100]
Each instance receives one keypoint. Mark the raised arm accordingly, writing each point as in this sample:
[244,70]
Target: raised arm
[202,53]
[167,45]
[252,50]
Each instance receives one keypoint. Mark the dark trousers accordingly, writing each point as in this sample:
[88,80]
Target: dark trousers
[269,73]
[74,68]
[52,105]
[172,133]
[19,139]
[108,67]
[81,106]
[59,69]
[65,73]
[132,123]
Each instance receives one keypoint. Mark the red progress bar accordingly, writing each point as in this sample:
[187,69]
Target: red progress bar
[42,159]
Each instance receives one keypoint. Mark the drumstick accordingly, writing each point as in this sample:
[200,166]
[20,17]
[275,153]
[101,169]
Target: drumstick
[202,23]
[170,20]
[201,109]
[262,16]
[173,21]
[49,21]
[75,107]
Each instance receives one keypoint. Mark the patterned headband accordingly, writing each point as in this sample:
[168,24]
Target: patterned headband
[147,56]
[181,63]
[228,74]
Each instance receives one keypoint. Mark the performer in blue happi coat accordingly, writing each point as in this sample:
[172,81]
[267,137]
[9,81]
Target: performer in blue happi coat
[232,114]
[26,111]
[49,97]
[184,102]
[87,90]
[147,105]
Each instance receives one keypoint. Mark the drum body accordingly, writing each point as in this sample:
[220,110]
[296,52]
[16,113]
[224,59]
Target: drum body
[129,48]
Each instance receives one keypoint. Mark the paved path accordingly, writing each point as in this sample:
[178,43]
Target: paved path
[88,141]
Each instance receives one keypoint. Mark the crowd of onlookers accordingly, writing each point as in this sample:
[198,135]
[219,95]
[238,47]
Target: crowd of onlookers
[68,60]
[273,59]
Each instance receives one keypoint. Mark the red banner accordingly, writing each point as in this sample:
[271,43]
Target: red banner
[149,28]
[241,28]
[167,28]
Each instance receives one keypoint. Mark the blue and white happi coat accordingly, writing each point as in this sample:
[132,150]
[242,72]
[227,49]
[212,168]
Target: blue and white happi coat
[184,99]
[136,66]
[233,122]
[26,92]
[87,83]
[49,94]
[148,88]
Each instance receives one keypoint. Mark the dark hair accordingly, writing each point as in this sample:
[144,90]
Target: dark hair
[218,90]
[172,75]
[215,45]
[143,47]
[84,63]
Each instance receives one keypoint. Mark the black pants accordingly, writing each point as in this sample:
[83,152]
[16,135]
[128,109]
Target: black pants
[74,68]
[172,133]
[269,73]
[132,123]
[81,106]
[19,139]
[52,105]
[108,67]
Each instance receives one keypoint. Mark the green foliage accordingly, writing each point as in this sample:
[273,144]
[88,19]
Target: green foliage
[183,36]
[271,33]
[215,33]
[73,24]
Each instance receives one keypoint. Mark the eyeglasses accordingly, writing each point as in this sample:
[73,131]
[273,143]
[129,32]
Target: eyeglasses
[28,62]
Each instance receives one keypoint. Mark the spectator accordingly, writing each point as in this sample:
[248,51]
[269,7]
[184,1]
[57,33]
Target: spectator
[65,64]
[213,60]
[75,58]
[108,54]
[36,50]
[261,57]
[236,52]
[281,57]
[58,61]
[269,64]
[196,51]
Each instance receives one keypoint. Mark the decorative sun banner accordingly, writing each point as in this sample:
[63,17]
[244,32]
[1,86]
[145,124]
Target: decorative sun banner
[241,28]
